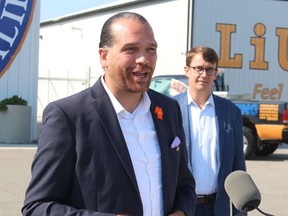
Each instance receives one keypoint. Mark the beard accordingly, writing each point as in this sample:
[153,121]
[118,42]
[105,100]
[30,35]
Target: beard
[134,86]
[136,82]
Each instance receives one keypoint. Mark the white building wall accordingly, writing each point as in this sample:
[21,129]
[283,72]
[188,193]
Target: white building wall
[69,45]
[21,78]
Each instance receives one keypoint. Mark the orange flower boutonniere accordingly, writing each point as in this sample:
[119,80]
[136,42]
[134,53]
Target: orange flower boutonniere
[159,112]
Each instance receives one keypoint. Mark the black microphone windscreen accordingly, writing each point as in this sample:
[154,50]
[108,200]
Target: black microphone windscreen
[242,191]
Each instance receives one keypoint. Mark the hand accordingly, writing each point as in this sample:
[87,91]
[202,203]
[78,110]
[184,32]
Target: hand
[177,213]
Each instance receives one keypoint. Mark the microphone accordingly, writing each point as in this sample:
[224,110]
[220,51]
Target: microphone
[242,191]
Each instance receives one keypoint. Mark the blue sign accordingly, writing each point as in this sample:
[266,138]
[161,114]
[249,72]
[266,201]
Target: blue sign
[249,109]
[15,19]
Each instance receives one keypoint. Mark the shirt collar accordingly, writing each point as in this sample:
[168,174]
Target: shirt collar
[143,106]
[209,101]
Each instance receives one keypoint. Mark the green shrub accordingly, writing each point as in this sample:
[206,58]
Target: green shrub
[15,100]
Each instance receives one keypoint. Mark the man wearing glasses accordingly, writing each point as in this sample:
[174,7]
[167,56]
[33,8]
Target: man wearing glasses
[213,130]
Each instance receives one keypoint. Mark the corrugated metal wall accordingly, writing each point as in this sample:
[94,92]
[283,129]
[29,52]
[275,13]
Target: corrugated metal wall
[21,78]
[243,79]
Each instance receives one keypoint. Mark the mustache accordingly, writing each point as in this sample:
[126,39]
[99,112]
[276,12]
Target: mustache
[143,68]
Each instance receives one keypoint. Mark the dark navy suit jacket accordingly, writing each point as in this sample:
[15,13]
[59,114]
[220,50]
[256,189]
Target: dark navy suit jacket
[230,156]
[83,167]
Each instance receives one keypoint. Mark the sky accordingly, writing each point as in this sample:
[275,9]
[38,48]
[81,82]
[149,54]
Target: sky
[50,9]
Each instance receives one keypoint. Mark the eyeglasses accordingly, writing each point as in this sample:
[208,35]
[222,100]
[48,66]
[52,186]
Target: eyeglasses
[199,70]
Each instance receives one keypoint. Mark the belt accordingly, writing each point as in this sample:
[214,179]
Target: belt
[206,199]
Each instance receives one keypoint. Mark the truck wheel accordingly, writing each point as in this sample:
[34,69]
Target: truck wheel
[267,149]
[249,142]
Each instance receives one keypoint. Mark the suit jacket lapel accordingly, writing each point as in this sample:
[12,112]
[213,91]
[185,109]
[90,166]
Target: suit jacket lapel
[220,124]
[106,113]
[186,116]
[160,131]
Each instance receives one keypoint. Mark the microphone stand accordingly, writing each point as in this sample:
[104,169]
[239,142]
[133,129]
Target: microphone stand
[244,212]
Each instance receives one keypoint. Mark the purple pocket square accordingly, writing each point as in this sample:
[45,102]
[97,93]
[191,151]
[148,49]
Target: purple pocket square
[176,142]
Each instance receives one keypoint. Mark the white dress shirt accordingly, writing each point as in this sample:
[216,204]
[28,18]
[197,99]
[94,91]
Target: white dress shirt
[204,146]
[142,142]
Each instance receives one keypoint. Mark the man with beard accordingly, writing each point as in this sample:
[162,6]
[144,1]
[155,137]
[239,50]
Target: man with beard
[116,148]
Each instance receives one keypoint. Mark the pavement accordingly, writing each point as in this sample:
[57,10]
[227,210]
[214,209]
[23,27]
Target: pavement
[271,177]
[15,173]
[269,174]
